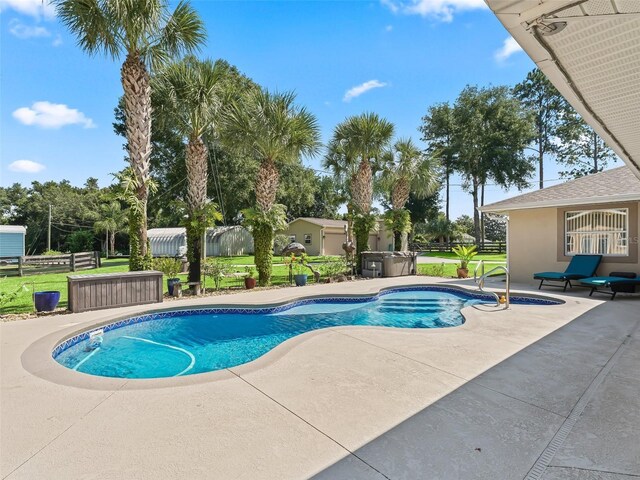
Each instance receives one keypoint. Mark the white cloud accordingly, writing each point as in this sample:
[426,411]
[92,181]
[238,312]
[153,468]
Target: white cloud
[21,30]
[26,166]
[388,28]
[57,41]
[362,88]
[442,10]
[51,115]
[34,8]
[509,47]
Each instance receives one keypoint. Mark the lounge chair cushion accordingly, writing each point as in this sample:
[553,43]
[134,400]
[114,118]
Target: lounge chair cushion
[608,281]
[580,266]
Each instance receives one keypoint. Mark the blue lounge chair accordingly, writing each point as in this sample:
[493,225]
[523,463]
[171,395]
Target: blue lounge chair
[580,266]
[617,282]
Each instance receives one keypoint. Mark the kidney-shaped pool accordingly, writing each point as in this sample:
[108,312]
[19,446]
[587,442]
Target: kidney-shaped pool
[169,344]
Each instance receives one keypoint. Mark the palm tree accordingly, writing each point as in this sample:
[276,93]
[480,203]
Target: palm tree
[113,220]
[344,168]
[363,137]
[273,130]
[189,97]
[406,171]
[148,35]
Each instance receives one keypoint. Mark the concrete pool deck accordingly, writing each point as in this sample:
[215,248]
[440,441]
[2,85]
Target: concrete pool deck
[549,392]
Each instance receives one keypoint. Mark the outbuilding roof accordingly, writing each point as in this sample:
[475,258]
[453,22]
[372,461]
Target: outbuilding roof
[615,185]
[181,231]
[12,229]
[322,222]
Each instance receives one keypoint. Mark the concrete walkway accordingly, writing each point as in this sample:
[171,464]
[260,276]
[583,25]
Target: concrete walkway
[552,392]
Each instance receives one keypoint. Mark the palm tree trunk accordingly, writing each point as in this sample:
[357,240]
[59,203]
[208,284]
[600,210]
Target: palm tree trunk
[266,190]
[137,106]
[112,239]
[196,163]
[267,185]
[362,188]
[476,214]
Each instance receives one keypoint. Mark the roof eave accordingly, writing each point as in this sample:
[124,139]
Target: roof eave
[634,197]
[546,60]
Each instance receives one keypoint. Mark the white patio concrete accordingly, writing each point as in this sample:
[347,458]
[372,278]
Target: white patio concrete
[483,400]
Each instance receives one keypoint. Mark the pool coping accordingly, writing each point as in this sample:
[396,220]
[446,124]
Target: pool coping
[38,358]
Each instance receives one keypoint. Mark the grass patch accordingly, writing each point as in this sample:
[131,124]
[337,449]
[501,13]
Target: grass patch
[498,257]
[58,281]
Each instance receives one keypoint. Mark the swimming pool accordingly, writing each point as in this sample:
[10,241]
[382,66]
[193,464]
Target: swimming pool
[187,342]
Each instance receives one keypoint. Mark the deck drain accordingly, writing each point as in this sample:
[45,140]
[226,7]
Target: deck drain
[563,432]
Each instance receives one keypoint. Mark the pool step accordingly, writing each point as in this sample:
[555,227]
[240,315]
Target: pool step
[409,310]
[414,303]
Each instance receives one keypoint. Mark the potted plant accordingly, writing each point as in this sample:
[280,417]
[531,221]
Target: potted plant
[46,301]
[299,265]
[250,280]
[170,267]
[464,254]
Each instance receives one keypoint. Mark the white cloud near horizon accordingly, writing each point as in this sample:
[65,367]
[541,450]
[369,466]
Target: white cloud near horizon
[20,30]
[52,115]
[358,90]
[33,8]
[509,47]
[26,166]
[442,10]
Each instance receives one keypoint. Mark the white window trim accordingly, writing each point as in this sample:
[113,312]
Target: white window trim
[626,231]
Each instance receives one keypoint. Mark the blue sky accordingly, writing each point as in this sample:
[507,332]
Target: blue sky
[396,57]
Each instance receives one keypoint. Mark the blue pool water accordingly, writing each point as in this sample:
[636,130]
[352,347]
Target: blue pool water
[190,342]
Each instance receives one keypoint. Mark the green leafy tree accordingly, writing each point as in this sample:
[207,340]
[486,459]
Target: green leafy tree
[147,34]
[273,131]
[491,131]
[191,97]
[464,223]
[363,137]
[538,95]
[406,170]
[496,228]
[581,149]
[440,229]
[437,130]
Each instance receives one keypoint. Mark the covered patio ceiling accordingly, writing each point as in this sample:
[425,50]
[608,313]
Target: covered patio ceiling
[590,50]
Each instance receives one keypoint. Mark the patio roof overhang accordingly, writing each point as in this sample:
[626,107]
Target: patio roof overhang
[590,50]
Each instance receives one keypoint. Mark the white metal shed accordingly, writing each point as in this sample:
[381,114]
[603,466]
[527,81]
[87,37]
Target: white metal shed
[221,241]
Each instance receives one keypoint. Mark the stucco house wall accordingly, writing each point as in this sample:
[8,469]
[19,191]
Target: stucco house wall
[297,231]
[536,241]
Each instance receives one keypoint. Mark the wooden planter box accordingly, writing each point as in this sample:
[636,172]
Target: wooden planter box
[107,290]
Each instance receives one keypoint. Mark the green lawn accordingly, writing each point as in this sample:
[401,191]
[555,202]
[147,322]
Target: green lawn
[498,257]
[250,260]
[58,281]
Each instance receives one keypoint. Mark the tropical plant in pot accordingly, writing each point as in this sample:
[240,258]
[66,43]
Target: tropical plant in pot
[464,254]
[170,267]
[250,279]
[298,266]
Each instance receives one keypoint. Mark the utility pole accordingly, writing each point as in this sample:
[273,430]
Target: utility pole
[49,230]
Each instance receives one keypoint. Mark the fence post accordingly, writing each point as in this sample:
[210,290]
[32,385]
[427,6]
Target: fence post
[97,259]
[20,260]
[73,262]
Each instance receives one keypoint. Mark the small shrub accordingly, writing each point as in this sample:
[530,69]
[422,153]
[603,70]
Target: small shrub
[80,241]
[433,270]
[332,267]
[171,267]
[298,263]
[6,297]
[51,253]
[251,272]
[280,241]
[216,268]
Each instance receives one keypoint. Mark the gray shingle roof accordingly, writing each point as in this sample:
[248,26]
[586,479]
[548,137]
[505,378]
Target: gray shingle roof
[615,185]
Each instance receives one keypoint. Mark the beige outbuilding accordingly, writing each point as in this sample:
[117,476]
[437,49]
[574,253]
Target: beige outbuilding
[323,236]
[596,214]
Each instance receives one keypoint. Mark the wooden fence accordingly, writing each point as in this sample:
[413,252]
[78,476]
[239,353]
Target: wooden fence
[487,248]
[37,264]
